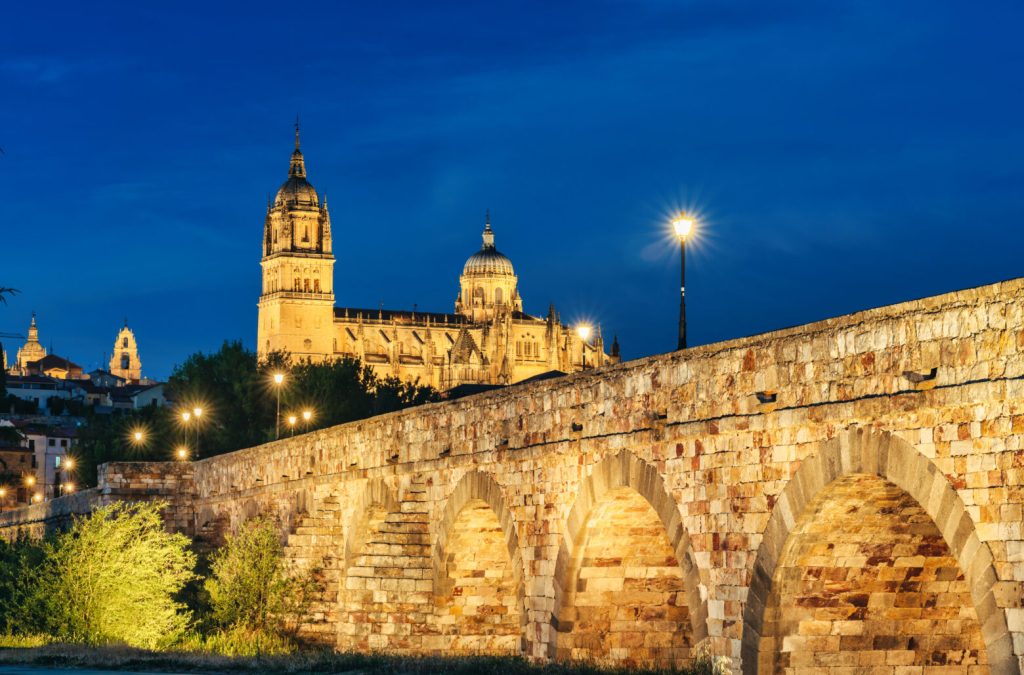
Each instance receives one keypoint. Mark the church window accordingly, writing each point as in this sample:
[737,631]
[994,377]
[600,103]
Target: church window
[305,233]
[124,343]
[275,235]
[478,296]
[297,284]
[305,285]
[497,296]
[316,285]
[125,361]
[307,344]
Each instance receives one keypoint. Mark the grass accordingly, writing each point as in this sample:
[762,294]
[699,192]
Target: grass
[34,651]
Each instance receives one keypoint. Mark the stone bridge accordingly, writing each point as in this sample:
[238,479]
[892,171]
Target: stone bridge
[841,497]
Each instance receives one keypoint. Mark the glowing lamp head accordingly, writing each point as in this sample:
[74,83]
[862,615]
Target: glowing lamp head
[69,487]
[278,378]
[30,481]
[182,452]
[69,463]
[186,416]
[683,225]
[3,493]
[37,498]
[197,412]
[292,419]
[307,415]
[584,332]
[137,436]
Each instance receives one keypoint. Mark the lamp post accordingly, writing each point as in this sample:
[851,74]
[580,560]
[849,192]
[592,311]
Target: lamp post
[683,225]
[307,415]
[278,381]
[292,419]
[584,332]
[197,414]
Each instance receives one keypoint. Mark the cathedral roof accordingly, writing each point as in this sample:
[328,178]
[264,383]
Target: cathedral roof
[297,188]
[488,260]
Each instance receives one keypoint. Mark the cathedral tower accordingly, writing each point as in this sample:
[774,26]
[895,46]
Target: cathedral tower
[124,359]
[296,308]
[32,350]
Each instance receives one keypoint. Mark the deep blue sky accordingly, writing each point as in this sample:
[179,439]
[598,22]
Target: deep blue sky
[843,155]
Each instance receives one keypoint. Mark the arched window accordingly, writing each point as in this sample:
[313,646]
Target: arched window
[478,296]
[305,285]
[124,343]
[297,285]
[316,285]
[497,296]
[125,362]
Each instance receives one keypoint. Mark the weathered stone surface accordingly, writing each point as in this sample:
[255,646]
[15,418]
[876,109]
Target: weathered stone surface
[866,520]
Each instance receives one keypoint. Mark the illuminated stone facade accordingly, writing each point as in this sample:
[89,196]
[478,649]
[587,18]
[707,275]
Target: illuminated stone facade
[487,340]
[124,359]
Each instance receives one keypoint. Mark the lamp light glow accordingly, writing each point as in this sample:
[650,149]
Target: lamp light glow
[683,225]
[307,415]
[583,331]
[278,378]
[182,452]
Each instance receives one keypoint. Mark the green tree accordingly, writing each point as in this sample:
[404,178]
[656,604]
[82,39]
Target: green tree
[250,586]
[108,438]
[114,575]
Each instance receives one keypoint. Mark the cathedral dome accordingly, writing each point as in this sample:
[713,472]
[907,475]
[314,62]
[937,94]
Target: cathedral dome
[297,188]
[488,260]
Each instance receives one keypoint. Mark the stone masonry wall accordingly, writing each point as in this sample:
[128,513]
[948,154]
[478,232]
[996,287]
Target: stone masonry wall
[736,448]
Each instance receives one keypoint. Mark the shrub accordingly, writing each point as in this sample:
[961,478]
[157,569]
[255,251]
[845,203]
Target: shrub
[250,586]
[22,609]
[114,575]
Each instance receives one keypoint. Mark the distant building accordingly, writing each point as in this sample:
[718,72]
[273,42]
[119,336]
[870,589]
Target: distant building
[124,359]
[54,366]
[488,339]
[105,378]
[40,389]
[50,447]
[31,351]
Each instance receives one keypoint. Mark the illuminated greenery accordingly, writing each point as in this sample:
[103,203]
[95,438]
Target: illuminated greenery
[21,611]
[114,575]
[250,587]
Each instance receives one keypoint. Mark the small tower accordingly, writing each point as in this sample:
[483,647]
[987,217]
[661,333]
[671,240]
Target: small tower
[124,359]
[32,350]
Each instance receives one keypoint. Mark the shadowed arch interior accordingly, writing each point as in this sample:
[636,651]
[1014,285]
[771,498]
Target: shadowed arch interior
[626,494]
[478,579]
[943,528]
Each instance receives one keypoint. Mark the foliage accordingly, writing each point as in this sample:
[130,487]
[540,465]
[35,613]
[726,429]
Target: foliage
[11,641]
[236,390]
[107,438]
[250,586]
[21,611]
[239,641]
[113,577]
[4,292]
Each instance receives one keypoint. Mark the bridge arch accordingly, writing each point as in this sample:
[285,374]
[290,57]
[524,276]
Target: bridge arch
[476,532]
[376,496]
[858,451]
[638,486]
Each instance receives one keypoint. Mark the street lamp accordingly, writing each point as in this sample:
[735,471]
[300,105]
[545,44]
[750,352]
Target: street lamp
[583,331]
[307,417]
[197,413]
[181,453]
[292,419]
[683,226]
[278,381]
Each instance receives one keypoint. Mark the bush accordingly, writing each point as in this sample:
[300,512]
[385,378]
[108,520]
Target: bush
[22,610]
[114,575]
[250,587]
[238,641]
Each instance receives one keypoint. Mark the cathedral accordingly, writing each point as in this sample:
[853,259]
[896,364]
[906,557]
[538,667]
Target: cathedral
[488,339]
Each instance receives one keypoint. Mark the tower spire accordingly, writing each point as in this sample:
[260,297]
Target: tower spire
[488,232]
[296,131]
